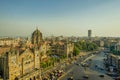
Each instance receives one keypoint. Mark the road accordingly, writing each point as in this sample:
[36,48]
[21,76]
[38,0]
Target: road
[97,63]
[78,72]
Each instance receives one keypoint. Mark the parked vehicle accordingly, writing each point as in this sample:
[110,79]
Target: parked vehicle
[71,78]
[101,75]
[86,77]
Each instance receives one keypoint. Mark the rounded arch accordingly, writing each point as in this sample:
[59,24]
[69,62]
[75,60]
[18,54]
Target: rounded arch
[30,78]
[34,78]
[16,78]
[38,77]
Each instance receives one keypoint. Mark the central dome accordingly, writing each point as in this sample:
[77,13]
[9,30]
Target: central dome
[36,32]
[36,37]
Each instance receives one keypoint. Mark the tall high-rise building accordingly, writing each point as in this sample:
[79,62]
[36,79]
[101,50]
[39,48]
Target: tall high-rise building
[89,33]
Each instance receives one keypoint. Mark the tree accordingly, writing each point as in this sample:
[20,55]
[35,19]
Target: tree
[112,48]
[76,51]
[86,46]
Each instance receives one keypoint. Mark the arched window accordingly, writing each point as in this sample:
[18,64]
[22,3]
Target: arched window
[30,79]
[16,78]
[34,78]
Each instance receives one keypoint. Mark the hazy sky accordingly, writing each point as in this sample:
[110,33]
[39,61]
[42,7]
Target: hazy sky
[60,17]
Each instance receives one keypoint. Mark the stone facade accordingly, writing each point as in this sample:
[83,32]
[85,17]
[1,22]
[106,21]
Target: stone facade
[62,48]
[17,64]
[23,62]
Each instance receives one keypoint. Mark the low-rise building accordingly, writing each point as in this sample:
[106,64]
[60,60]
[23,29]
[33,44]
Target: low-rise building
[62,48]
[117,46]
[9,42]
[114,60]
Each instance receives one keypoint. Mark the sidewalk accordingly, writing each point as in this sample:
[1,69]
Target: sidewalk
[88,58]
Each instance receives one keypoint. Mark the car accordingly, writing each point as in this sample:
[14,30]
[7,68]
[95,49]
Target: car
[77,64]
[71,78]
[96,65]
[87,65]
[90,59]
[83,64]
[86,77]
[101,68]
[101,75]
[118,78]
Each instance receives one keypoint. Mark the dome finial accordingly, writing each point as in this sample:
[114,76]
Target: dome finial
[36,27]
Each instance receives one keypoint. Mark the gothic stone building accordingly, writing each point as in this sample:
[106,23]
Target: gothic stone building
[22,64]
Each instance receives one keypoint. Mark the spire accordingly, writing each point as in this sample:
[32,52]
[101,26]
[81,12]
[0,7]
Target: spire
[36,28]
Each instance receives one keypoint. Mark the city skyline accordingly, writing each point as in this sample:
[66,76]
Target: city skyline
[64,17]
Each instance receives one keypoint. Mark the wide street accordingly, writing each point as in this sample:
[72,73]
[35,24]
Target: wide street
[78,72]
[97,63]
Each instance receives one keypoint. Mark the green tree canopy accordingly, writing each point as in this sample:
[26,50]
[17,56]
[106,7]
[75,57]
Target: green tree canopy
[86,46]
[76,51]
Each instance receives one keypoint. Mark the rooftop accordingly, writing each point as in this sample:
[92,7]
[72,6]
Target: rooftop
[4,49]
